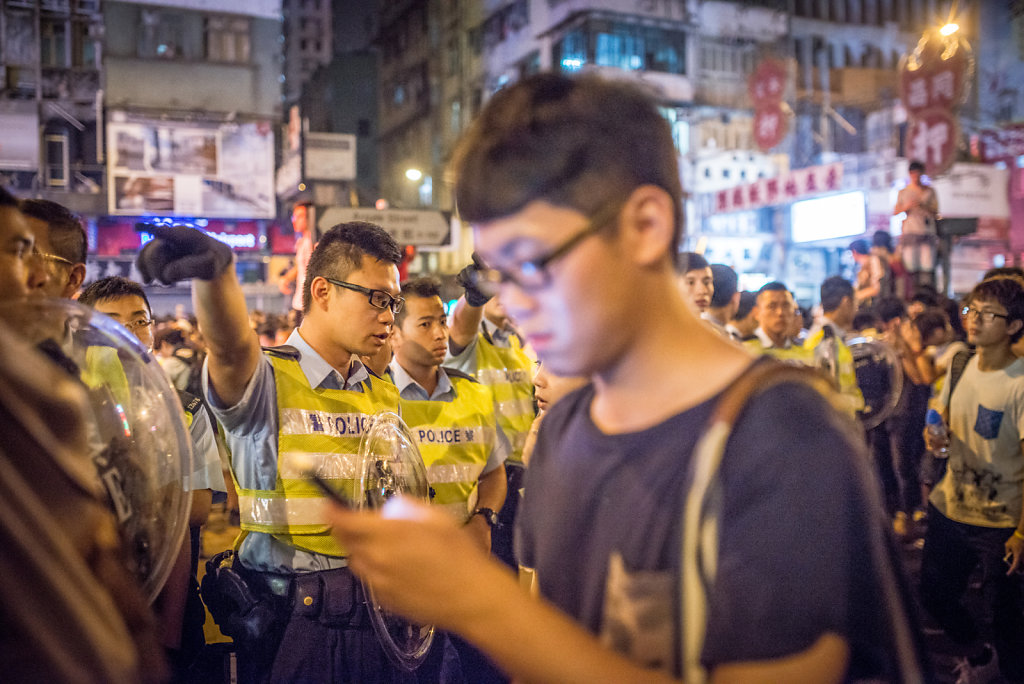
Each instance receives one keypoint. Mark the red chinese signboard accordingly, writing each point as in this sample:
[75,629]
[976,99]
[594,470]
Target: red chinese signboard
[932,138]
[933,85]
[768,83]
[769,127]
[766,86]
[785,188]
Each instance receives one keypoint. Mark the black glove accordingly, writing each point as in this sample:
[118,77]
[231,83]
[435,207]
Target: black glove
[470,278]
[179,253]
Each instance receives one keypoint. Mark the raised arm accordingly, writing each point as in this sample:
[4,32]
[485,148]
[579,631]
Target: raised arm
[469,310]
[178,253]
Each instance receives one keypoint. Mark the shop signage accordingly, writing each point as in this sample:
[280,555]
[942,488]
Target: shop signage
[785,188]
[422,228]
[933,86]
[766,87]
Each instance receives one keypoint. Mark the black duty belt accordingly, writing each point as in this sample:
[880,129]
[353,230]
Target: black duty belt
[334,596]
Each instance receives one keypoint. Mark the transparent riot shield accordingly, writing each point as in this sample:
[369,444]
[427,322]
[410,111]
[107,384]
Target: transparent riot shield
[879,377]
[139,445]
[390,464]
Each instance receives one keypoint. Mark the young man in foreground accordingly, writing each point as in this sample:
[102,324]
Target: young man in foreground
[975,514]
[573,190]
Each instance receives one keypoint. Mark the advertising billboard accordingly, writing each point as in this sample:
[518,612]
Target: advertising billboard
[178,168]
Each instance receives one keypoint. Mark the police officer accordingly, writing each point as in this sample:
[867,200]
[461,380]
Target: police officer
[838,308]
[485,345]
[285,412]
[452,419]
[775,311]
[179,607]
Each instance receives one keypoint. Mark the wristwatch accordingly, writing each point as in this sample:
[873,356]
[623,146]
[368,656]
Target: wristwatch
[489,515]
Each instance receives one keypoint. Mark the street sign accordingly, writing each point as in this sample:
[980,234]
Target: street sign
[419,227]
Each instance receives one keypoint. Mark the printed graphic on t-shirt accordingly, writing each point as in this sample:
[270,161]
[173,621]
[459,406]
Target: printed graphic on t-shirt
[638,614]
[988,422]
[978,491]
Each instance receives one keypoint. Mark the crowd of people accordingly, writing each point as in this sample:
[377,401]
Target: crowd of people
[684,487]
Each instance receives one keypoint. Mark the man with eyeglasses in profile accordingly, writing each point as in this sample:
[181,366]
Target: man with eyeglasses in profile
[572,187]
[287,411]
[61,242]
[976,511]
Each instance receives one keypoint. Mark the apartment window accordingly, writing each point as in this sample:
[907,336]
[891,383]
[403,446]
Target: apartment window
[161,35]
[623,46]
[84,46]
[53,42]
[227,39]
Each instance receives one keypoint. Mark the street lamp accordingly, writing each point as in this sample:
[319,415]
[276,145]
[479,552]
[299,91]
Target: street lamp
[413,174]
[949,29]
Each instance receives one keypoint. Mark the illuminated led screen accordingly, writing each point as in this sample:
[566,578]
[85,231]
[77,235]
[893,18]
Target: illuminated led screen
[826,218]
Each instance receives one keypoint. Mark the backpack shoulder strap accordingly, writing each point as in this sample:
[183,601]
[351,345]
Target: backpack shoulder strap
[956,368]
[703,499]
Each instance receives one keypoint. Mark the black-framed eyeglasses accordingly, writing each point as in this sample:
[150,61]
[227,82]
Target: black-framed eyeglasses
[533,274]
[986,316]
[378,298]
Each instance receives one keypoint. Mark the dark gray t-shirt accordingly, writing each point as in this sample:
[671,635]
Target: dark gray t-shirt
[601,524]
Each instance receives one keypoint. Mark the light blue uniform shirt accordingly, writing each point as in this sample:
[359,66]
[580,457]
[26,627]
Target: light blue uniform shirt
[411,390]
[466,360]
[251,430]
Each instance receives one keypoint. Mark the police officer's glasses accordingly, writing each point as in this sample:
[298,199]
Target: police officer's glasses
[533,274]
[378,298]
[985,316]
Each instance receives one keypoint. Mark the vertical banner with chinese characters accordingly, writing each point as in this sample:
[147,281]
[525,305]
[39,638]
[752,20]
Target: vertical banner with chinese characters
[766,87]
[933,84]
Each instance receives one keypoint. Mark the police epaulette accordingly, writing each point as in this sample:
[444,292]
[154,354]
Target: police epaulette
[452,373]
[284,351]
[189,401]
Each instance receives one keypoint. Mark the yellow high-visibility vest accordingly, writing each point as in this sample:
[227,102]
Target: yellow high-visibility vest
[455,439]
[850,392]
[319,428]
[508,371]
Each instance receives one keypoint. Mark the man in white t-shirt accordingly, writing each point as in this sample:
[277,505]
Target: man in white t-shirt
[976,516]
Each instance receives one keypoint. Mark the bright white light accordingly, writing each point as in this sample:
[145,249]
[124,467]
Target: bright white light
[413,174]
[949,29]
[826,218]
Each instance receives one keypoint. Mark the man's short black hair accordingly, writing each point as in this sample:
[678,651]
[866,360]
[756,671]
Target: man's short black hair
[424,287]
[576,142]
[1001,271]
[916,165]
[66,234]
[1009,293]
[341,250]
[833,289]
[866,318]
[690,261]
[883,239]
[773,286]
[926,295]
[113,287]
[860,246]
[930,320]
[889,308]
[747,301]
[726,282]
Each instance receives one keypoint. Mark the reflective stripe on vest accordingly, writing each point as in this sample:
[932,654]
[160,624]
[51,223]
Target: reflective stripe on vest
[455,439]
[320,429]
[508,372]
